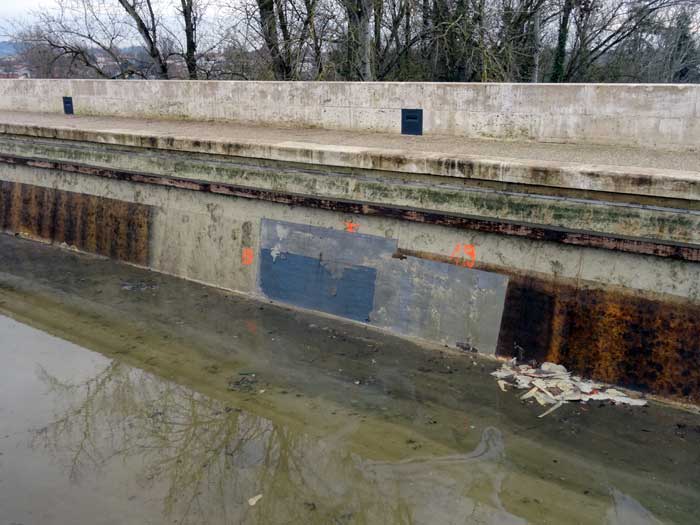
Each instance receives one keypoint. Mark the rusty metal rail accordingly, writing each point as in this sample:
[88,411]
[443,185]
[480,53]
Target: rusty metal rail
[678,251]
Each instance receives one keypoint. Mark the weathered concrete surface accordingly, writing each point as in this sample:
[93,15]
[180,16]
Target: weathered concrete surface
[622,317]
[622,202]
[661,116]
[602,262]
[637,171]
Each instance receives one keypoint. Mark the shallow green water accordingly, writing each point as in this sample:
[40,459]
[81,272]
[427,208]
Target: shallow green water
[131,397]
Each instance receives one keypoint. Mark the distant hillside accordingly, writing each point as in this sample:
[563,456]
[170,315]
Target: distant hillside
[8,49]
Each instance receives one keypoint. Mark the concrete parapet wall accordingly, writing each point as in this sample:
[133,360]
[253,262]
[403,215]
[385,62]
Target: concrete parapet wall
[658,116]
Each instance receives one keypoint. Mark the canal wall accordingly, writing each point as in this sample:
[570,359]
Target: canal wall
[660,115]
[590,265]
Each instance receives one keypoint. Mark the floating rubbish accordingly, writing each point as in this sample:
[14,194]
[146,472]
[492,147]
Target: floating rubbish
[559,403]
[252,501]
[246,383]
[138,286]
[553,384]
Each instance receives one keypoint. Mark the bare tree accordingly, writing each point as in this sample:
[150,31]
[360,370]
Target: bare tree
[90,34]
[438,40]
[122,38]
[358,39]
[148,27]
[268,25]
[190,17]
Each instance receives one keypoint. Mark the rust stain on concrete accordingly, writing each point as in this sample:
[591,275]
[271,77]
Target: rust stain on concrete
[625,337]
[634,341]
[100,225]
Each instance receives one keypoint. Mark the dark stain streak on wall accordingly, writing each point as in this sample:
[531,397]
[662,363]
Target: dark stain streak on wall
[108,227]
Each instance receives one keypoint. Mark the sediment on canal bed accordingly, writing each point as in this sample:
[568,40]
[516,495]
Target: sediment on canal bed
[590,264]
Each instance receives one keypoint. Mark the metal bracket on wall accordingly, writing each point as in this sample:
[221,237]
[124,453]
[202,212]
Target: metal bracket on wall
[411,121]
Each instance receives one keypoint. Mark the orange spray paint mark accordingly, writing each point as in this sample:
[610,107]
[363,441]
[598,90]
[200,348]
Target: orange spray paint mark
[251,326]
[351,227]
[247,256]
[464,255]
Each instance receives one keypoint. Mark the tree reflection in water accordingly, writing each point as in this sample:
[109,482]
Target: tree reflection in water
[210,458]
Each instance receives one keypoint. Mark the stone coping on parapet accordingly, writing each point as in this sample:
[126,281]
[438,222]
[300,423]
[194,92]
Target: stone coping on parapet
[615,169]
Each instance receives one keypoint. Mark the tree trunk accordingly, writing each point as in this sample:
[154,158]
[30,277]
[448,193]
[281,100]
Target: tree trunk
[315,38]
[285,50]
[426,36]
[406,57]
[377,48]
[190,38]
[359,39]
[537,46]
[560,53]
[439,65]
[149,35]
[483,59]
[268,24]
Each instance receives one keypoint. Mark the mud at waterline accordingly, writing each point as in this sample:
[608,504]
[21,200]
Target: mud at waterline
[156,400]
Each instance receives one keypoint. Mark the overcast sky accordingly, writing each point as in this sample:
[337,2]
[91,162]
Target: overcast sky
[13,8]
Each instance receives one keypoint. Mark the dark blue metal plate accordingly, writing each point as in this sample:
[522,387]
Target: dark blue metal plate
[411,121]
[68,105]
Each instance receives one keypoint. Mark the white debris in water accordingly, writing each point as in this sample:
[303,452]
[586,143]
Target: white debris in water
[252,501]
[553,384]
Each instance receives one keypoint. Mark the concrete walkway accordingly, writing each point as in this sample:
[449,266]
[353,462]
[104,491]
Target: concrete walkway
[450,145]
[599,168]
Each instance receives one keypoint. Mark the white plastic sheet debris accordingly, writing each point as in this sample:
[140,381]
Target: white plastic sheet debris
[553,384]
